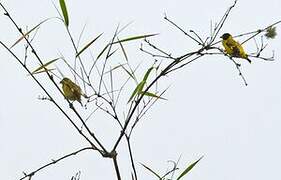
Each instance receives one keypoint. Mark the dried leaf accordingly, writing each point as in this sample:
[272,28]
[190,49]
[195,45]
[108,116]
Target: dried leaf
[43,70]
[26,34]
[44,66]
[271,33]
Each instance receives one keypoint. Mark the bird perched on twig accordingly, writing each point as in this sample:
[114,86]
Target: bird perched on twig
[233,48]
[71,90]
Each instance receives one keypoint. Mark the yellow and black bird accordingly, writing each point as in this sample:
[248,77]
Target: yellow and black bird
[71,90]
[233,48]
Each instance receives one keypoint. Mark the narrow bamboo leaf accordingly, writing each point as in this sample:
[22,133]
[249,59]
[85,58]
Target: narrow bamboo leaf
[88,45]
[27,33]
[43,70]
[44,65]
[140,86]
[149,169]
[189,168]
[142,83]
[147,74]
[127,59]
[110,54]
[114,68]
[130,74]
[124,52]
[64,12]
[101,53]
[134,38]
[137,90]
[151,95]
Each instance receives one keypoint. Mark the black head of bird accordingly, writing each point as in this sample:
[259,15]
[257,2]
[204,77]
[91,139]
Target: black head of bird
[64,80]
[225,36]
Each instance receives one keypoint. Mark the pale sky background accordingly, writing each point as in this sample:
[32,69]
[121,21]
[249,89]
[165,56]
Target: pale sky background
[209,112]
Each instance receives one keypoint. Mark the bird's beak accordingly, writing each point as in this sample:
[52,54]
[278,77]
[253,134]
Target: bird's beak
[220,36]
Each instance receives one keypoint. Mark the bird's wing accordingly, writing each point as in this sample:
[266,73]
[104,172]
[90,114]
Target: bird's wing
[231,43]
[236,51]
[241,51]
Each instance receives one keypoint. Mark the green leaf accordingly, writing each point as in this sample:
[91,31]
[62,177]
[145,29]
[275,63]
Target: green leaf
[134,38]
[142,83]
[89,44]
[149,169]
[137,90]
[64,12]
[26,34]
[151,95]
[189,168]
[44,66]
[147,74]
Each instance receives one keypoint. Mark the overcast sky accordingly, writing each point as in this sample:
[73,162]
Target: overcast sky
[209,110]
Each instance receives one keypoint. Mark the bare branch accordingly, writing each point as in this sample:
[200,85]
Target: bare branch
[54,161]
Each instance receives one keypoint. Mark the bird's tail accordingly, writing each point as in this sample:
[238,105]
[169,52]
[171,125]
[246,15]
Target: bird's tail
[85,96]
[247,58]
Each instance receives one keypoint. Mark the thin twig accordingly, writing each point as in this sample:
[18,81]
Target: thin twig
[54,161]
[221,23]
[185,33]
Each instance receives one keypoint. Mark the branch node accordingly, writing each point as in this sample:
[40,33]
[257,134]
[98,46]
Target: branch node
[111,154]
[71,105]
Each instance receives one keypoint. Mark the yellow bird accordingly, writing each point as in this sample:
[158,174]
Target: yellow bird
[71,90]
[233,48]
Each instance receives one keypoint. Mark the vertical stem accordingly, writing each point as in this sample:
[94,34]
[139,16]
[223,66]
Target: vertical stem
[131,157]
[116,167]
